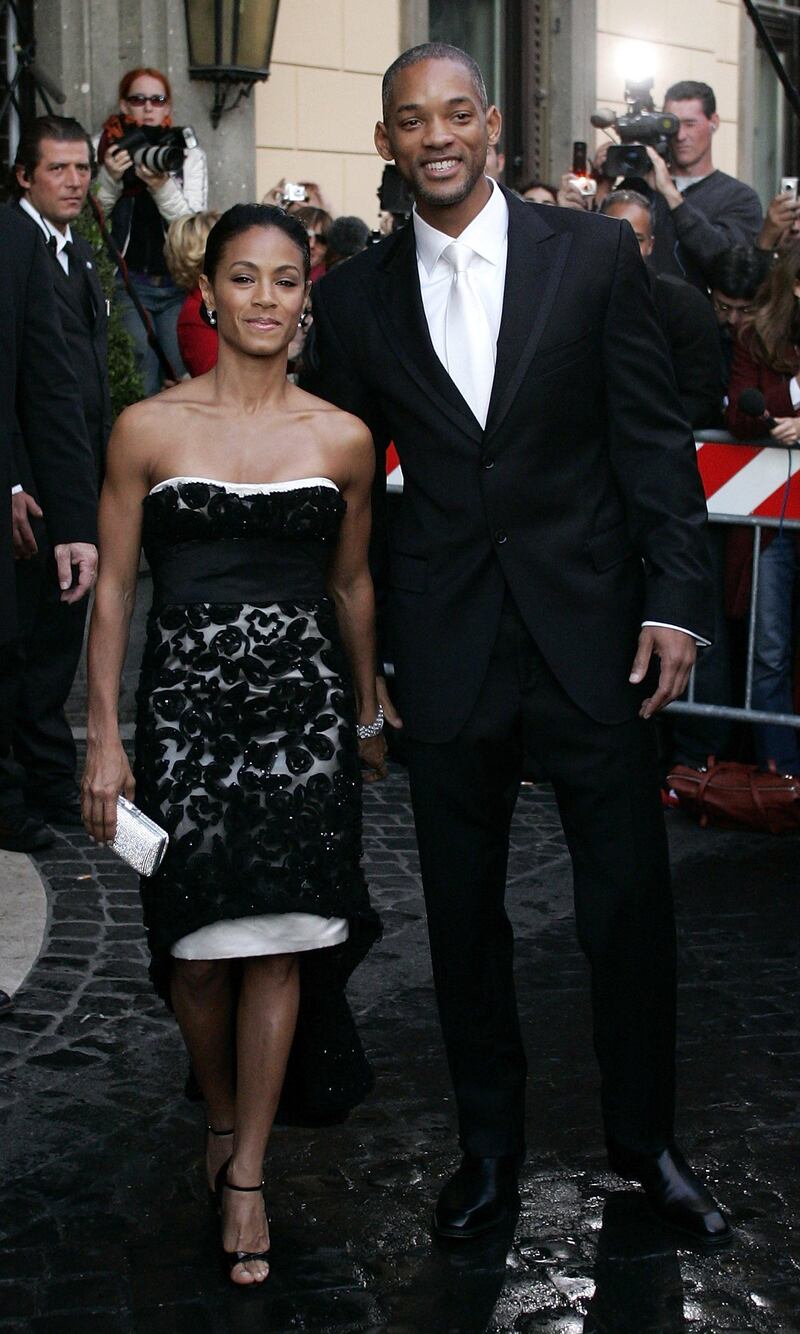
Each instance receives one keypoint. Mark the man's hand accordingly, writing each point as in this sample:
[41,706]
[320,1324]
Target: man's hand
[390,714]
[22,506]
[81,555]
[569,196]
[782,215]
[372,754]
[661,179]
[677,652]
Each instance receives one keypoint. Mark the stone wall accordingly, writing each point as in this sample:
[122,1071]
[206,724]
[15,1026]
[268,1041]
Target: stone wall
[87,45]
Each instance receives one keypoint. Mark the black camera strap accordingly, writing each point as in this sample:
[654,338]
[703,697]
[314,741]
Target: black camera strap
[119,259]
[792,95]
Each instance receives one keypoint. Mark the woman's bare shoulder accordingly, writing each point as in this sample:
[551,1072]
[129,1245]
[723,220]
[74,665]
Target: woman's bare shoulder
[332,422]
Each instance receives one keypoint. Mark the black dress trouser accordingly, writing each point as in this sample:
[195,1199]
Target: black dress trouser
[42,769]
[605,780]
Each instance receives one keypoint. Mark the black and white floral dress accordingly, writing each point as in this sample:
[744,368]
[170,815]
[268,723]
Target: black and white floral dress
[246,753]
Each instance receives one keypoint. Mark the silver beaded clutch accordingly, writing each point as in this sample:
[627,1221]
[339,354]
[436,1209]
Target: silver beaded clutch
[139,841]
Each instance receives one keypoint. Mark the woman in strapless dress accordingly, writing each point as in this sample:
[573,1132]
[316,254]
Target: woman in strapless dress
[256,713]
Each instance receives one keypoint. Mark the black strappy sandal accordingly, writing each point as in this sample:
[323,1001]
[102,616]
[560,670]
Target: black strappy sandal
[233,1258]
[218,1134]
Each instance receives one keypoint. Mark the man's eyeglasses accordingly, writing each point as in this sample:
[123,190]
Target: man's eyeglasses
[722,308]
[141,99]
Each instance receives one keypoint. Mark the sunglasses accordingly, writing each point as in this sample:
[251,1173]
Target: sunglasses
[141,99]
[317,236]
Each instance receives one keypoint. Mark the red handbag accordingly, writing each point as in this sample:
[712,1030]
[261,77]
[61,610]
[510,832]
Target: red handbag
[739,796]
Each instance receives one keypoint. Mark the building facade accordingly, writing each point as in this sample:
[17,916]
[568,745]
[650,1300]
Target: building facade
[548,64]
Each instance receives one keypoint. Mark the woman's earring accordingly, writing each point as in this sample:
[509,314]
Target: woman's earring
[212,318]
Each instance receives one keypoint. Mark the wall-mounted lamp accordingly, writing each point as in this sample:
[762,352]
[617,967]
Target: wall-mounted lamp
[230,44]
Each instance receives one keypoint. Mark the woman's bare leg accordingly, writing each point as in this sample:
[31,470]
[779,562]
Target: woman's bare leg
[265,1025]
[202,1000]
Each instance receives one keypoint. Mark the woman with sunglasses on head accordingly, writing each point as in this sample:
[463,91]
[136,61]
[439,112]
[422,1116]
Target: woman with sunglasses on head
[141,204]
[257,707]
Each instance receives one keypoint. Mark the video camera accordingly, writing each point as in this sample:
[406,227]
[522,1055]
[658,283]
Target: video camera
[641,127]
[157,148]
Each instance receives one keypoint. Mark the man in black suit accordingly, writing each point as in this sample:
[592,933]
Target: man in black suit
[550,543]
[53,172]
[39,395]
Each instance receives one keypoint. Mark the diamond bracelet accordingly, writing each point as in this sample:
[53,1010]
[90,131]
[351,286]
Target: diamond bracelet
[366,730]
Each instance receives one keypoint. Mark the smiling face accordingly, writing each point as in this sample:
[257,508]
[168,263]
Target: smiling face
[437,133]
[59,183]
[139,104]
[258,291]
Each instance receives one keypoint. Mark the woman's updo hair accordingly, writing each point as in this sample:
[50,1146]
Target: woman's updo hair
[241,218]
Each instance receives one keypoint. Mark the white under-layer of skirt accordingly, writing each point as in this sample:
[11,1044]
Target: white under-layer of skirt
[270,933]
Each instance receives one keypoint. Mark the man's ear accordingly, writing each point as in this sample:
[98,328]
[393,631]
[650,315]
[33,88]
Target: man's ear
[714,118]
[382,144]
[22,179]
[494,124]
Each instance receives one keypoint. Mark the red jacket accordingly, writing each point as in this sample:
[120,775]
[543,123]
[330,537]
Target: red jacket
[196,339]
[747,373]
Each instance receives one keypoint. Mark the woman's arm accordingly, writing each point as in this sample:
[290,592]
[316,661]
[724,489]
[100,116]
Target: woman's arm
[350,586]
[175,198]
[107,771]
[747,373]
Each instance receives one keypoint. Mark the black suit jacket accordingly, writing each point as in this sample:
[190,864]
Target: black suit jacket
[691,331]
[87,342]
[582,494]
[38,387]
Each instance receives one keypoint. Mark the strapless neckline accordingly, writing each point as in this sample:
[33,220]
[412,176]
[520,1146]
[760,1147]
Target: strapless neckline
[245,488]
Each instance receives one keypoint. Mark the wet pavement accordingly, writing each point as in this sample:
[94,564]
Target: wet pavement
[104,1220]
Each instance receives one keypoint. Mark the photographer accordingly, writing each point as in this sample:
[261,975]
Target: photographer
[700,211]
[781,226]
[141,204]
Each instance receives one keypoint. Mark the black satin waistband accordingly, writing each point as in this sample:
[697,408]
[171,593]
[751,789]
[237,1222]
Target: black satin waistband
[248,569]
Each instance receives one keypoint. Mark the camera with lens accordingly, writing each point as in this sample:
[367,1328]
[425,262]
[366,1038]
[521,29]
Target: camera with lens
[157,148]
[641,127]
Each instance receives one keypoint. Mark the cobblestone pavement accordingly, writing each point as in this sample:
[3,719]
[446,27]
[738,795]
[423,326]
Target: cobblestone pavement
[104,1220]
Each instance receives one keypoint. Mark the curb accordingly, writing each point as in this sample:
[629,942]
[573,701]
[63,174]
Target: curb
[23,918]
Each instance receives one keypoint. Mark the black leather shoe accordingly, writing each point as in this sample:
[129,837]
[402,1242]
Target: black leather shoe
[22,832]
[675,1193]
[482,1194]
[6,1003]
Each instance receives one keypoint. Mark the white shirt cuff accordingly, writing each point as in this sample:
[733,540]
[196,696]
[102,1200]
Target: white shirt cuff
[794,392]
[698,639]
[15,490]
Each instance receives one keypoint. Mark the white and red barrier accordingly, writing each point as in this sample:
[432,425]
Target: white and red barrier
[738,479]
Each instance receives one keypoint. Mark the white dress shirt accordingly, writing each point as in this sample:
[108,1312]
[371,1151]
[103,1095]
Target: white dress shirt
[62,238]
[487,234]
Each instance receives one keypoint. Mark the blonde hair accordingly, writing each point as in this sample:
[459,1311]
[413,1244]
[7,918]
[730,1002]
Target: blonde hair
[185,246]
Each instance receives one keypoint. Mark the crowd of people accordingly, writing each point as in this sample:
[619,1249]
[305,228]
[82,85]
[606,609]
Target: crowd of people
[272,360]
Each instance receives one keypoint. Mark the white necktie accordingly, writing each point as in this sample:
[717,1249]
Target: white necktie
[469,347]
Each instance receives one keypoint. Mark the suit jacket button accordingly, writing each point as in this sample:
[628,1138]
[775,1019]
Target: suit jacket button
[500,536]
[488,463]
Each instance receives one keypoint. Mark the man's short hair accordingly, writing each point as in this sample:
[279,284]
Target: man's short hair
[739,272]
[432,51]
[63,129]
[689,89]
[347,236]
[625,197]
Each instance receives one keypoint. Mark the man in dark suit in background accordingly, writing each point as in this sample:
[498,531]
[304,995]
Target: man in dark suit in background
[39,396]
[550,543]
[53,172]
